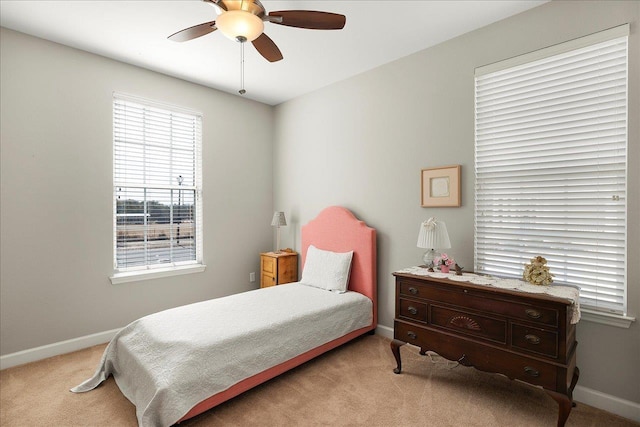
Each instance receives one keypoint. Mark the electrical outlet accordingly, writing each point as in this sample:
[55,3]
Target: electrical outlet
[252,277]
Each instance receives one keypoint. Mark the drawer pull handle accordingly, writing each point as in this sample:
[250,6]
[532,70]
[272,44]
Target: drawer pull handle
[413,310]
[532,339]
[413,291]
[531,372]
[534,314]
[412,335]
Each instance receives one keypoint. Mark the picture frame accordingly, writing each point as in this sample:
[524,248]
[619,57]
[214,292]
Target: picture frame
[440,187]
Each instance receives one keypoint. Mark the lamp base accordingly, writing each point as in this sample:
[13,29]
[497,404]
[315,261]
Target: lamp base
[277,249]
[428,258]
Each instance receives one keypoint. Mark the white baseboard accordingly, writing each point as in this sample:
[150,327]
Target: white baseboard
[607,402]
[385,331]
[55,349]
[597,399]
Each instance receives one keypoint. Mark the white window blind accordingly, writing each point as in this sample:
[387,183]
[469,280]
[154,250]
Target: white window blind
[551,167]
[157,185]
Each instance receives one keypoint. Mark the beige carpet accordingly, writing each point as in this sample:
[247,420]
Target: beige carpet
[352,385]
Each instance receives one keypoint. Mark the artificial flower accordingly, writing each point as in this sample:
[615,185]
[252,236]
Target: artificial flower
[444,259]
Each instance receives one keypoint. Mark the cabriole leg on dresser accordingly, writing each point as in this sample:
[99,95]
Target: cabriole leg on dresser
[395,349]
[565,404]
[574,381]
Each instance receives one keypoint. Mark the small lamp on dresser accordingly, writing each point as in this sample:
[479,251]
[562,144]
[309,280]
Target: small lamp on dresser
[278,221]
[433,235]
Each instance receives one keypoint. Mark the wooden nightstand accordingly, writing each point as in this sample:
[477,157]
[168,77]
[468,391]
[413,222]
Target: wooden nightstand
[278,268]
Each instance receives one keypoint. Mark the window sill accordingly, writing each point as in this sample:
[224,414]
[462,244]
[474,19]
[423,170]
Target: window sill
[136,276]
[617,320]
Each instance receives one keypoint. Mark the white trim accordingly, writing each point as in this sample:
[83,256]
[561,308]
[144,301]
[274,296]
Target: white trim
[384,331]
[599,37]
[610,319]
[136,276]
[606,402]
[156,104]
[597,399]
[55,349]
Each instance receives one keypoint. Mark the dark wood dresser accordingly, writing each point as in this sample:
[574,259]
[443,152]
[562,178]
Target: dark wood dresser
[524,336]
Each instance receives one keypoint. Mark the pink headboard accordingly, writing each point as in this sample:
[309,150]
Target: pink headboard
[337,229]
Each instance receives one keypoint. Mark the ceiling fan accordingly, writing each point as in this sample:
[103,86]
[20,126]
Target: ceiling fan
[243,20]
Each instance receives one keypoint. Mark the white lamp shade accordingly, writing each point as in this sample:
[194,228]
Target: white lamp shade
[238,23]
[278,219]
[433,235]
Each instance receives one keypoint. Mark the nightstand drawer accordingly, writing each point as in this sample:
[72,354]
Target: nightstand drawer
[534,340]
[413,310]
[467,323]
[267,280]
[268,265]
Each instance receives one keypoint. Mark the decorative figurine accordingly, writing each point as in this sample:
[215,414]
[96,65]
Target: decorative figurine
[458,269]
[537,272]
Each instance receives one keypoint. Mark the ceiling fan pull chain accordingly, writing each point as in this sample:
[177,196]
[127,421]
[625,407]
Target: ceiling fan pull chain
[242,91]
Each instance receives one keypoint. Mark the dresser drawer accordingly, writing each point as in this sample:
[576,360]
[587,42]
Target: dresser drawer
[413,289]
[413,310]
[476,300]
[534,340]
[480,356]
[467,323]
[412,334]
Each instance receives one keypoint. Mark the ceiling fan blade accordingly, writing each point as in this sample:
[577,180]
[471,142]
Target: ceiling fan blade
[218,3]
[267,48]
[310,19]
[193,32]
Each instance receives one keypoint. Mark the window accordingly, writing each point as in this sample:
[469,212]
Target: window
[551,166]
[157,186]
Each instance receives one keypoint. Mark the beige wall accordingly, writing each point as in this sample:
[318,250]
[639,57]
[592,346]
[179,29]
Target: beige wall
[56,197]
[361,143]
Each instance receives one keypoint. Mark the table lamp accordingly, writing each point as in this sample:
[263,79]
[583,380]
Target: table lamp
[433,235]
[278,221]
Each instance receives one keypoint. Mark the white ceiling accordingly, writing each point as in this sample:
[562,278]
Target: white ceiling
[135,32]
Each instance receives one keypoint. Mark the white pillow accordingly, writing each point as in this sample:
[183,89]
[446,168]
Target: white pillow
[327,270]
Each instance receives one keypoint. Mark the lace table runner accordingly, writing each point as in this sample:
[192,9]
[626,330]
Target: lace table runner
[569,293]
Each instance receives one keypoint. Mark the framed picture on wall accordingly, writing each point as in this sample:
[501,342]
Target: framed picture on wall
[440,187]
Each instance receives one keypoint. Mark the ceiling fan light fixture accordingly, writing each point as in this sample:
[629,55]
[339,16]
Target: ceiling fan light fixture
[239,25]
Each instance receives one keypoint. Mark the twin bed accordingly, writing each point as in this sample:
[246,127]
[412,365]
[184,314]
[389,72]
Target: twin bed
[178,363]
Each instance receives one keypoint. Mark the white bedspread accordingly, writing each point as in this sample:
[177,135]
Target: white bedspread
[167,362]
